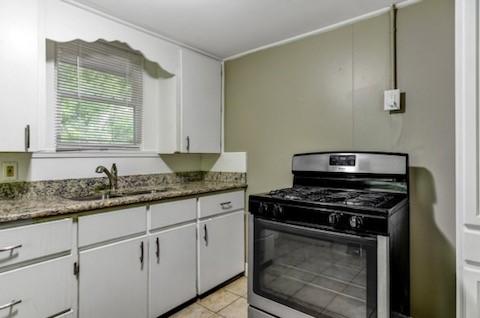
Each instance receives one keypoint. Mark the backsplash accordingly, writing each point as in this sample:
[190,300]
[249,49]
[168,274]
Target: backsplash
[215,176]
[85,186]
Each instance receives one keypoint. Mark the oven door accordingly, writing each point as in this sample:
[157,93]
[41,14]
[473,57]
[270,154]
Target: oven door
[300,272]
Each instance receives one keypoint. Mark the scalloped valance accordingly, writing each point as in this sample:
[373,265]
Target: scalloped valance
[67,22]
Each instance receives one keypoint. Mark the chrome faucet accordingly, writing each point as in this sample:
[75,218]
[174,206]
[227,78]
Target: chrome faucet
[112,176]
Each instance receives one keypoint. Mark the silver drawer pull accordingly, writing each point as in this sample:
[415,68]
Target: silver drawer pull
[10,248]
[226,205]
[11,304]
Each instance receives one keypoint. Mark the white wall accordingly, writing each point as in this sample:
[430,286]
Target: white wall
[226,162]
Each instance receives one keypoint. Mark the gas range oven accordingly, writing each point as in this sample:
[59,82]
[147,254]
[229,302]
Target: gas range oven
[335,244]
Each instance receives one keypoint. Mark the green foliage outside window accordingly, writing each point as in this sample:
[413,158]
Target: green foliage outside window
[86,114]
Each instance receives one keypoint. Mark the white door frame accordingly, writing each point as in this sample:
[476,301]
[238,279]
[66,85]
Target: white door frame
[467,157]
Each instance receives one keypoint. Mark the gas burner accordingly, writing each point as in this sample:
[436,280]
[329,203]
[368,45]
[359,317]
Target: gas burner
[301,193]
[339,197]
[370,199]
[334,196]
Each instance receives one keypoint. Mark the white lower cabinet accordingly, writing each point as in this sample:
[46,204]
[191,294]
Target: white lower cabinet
[27,243]
[221,252]
[172,268]
[69,314]
[37,291]
[128,267]
[471,289]
[113,280]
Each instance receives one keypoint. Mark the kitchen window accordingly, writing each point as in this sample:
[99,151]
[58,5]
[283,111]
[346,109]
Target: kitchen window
[99,96]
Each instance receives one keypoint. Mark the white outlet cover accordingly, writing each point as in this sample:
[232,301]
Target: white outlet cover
[392,100]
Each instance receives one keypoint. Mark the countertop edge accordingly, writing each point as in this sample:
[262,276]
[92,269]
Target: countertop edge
[89,206]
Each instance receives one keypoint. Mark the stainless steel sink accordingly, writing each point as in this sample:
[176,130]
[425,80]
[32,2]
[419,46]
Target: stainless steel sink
[120,194]
[140,192]
[96,197]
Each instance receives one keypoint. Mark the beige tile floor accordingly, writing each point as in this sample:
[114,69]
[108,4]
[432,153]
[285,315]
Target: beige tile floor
[228,302]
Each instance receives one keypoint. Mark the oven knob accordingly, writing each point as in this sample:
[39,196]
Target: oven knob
[334,218]
[263,208]
[356,222]
[277,211]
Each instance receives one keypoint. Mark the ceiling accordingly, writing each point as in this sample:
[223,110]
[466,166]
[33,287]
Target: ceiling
[229,27]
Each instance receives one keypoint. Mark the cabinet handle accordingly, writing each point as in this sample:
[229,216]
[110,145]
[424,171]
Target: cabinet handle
[141,252]
[157,241]
[11,304]
[226,205]
[188,143]
[10,248]
[205,235]
[27,137]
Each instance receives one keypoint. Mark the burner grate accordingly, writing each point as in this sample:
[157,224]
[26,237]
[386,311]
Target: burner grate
[333,196]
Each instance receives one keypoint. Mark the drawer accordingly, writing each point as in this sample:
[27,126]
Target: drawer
[170,213]
[24,243]
[221,203]
[41,290]
[104,227]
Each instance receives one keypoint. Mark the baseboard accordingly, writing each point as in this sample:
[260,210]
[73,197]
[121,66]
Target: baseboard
[214,289]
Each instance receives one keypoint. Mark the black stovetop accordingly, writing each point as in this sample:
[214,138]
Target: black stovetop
[339,197]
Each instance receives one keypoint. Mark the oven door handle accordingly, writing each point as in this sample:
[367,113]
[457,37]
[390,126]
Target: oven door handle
[297,229]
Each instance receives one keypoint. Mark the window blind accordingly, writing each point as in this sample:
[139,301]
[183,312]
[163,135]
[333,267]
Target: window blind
[99,90]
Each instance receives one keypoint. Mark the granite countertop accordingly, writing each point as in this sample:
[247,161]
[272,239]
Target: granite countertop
[18,209]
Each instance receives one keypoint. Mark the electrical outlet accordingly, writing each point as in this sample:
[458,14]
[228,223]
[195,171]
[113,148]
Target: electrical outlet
[392,100]
[10,170]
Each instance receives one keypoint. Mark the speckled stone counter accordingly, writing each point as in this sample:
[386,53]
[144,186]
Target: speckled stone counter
[25,201]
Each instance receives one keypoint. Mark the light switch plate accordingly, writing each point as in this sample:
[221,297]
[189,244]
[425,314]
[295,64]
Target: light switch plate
[9,170]
[392,100]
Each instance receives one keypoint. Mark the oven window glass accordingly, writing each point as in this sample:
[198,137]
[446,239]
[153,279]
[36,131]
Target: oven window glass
[314,272]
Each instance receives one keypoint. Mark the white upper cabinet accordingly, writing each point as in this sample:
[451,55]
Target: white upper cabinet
[186,118]
[200,118]
[19,71]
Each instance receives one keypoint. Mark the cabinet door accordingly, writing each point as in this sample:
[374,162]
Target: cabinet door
[19,62]
[221,250]
[172,269]
[471,292]
[113,280]
[200,130]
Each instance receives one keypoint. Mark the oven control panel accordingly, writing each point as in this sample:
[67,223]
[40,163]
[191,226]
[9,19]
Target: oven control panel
[337,220]
[343,160]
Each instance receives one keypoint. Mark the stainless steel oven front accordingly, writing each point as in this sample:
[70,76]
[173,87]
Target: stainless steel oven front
[302,272]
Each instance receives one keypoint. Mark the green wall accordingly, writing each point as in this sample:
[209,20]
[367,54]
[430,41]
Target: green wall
[325,92]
